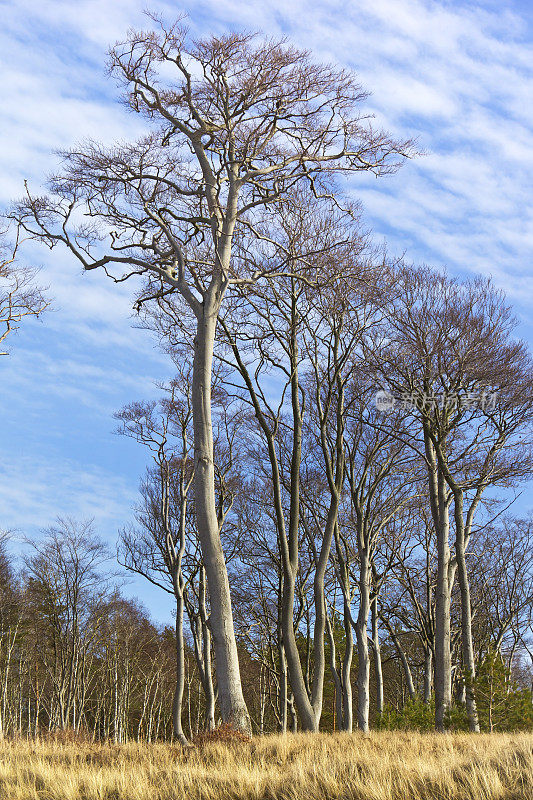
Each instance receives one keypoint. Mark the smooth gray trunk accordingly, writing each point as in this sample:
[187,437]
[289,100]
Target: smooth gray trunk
[347,702]
[345,676]
[294,715]
[428,675]
[232,706]
[207,674]
[467,644]
[180,674]
[308,704]
[439,501]
[338,716]
[363,667]
[377,657]
[283,688]
[302,702]
[443,660]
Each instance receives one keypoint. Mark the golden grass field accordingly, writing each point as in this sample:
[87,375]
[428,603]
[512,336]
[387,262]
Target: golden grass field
[380,766]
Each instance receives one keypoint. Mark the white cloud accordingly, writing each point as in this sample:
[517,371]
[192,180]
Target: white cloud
[42,490]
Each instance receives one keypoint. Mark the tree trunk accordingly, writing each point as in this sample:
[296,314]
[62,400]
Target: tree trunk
[320,610]
[441,519]
[467,645]
[428,674]
[209,689]
[180,675]
[306,708]
[443,660]
[283,687]
[363,668]
[301,698]
[207,672]
[232,706]
[294,715]
[345,678]
[347,706]
[337,685]
[377,657]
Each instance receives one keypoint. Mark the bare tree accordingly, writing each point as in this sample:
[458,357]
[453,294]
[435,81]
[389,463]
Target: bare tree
[451,358]
[19,296]
[68,588]
[163,544]
[412,604]
[160,545]
[380,474]
[265,333]
[236,122]
[503,591]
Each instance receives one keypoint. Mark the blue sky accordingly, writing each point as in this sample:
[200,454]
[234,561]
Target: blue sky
[456,75]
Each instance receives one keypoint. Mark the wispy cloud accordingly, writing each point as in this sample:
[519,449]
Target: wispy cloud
[42,490]
[457,76]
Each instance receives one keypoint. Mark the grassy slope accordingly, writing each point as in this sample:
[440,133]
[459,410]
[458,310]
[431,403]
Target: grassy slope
[381,766]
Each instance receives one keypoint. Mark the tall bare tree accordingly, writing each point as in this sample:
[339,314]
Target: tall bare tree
[235,123]
[451,358]
[380,475]
[160,545]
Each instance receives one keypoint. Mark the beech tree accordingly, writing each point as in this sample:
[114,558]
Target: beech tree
[158,549]
[450,356]
[268,332]
[235,122]
[163,543]
[503,592]
[411,602]
[380,476]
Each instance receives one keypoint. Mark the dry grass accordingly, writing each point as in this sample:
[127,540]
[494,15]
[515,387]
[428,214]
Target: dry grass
[381,766]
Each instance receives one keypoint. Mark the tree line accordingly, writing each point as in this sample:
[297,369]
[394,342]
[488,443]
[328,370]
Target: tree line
[333,462]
